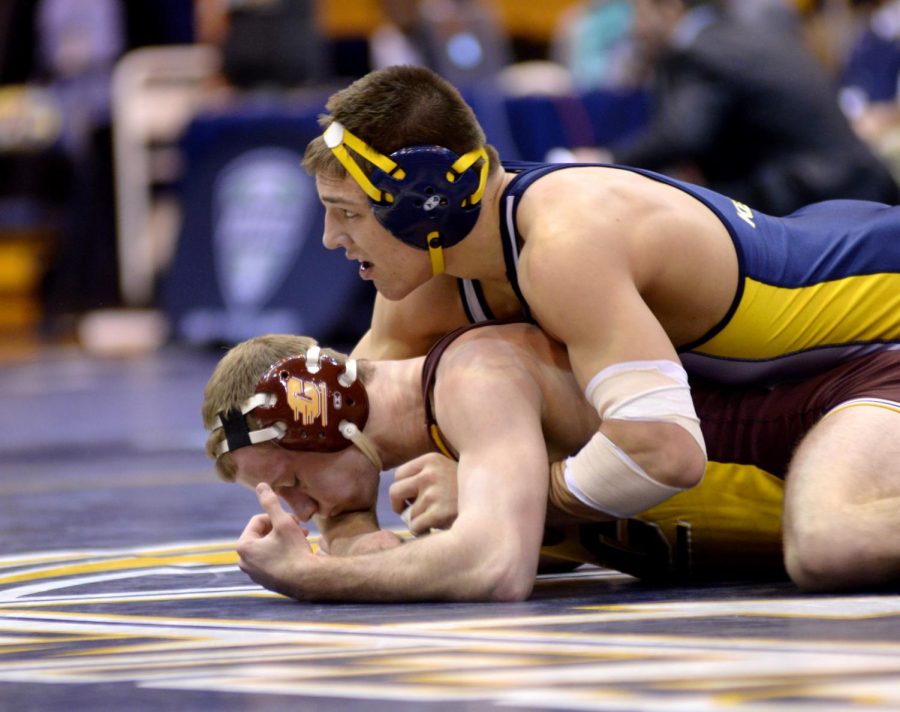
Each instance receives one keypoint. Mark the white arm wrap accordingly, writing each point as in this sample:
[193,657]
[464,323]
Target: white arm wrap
[603,476]
[646,390]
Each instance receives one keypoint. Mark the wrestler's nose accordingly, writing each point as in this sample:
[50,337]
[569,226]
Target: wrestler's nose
[333,238]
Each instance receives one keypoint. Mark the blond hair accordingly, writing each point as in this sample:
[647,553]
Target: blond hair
[396,107]
[234,380]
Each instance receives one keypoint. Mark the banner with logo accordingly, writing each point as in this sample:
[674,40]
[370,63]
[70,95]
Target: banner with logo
[250,259]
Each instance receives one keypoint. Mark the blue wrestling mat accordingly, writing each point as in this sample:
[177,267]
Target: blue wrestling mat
[119,591]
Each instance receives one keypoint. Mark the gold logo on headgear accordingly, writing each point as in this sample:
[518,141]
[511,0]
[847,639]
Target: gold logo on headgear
[308,399]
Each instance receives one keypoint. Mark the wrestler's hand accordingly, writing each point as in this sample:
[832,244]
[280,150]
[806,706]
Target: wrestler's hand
[273,547]
[426,487]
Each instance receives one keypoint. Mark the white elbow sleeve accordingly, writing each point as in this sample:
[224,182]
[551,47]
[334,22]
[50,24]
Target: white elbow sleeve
[603,476]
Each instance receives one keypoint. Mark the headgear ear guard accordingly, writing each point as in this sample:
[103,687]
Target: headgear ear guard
[307,402]
[426,196]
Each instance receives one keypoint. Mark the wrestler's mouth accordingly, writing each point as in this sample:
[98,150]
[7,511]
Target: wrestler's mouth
[365,269]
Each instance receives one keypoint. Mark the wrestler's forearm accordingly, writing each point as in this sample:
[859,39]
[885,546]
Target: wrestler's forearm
[340,533]
[441,567]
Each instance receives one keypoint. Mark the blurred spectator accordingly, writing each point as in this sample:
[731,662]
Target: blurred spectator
[775,14]
[77,47]
[78,44]
[870,80]
[872,69]
[57,57]
[16,34]
[56,61]
[396,41]
[593,40]
[273,44]
[745,109]
[462,40]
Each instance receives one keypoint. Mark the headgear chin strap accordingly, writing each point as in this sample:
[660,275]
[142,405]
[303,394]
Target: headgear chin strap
[306,402]
[426,196]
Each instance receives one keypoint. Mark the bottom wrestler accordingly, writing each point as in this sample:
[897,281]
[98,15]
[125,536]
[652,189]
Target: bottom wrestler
[283,415]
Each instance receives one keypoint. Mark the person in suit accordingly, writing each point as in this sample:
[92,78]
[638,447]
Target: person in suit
[745,109]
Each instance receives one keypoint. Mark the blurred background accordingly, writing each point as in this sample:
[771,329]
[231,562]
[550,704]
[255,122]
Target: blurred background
[150,186]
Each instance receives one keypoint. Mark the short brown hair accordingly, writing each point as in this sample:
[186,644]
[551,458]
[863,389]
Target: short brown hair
[234,380]
[396,107]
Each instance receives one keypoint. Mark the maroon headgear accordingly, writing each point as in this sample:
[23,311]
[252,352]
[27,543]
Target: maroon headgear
[309,402]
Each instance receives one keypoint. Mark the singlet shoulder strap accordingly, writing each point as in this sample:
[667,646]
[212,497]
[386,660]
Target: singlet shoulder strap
[526,174]
[473,301]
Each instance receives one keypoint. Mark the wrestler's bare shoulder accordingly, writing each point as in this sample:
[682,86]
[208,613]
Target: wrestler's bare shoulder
[604,199]
[598,227]
[505,347]
[524,357]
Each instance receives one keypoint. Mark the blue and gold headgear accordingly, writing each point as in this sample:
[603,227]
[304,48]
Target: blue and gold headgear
[426,196]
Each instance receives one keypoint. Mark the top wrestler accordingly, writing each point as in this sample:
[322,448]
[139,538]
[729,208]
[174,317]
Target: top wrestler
[634,272]
[283,414]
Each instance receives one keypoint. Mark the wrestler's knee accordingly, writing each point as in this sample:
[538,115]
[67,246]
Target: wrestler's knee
[840,519]
[819,558]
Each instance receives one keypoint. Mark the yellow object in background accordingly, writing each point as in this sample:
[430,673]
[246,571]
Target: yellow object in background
[348,18]
[533,20]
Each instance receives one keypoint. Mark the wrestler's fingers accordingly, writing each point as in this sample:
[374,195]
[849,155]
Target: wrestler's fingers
[416,465]
[270,503]
[258,526]
[407,469]
[410,520]
[424,523]
[402,493]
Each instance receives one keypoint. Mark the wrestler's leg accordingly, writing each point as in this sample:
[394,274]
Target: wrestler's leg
[842,501]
